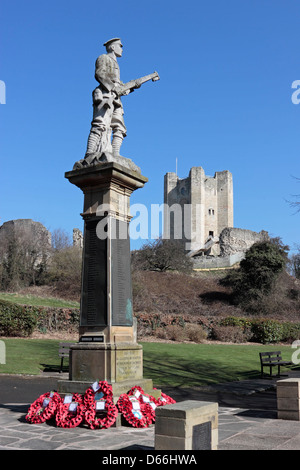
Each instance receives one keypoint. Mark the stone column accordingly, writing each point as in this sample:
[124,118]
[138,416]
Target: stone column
[107,348]
[288,399]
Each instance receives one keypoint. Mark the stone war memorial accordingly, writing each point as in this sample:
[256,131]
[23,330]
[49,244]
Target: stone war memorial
[106,385]
[107,349]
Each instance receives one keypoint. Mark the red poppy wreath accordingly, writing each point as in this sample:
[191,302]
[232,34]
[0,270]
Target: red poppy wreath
[71,412]
[147,401]
[99,397]
[164,400]
[94,421]
[43,408]
[97,391]
[137,414]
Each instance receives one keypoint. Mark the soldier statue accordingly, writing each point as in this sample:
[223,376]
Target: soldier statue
[108,128]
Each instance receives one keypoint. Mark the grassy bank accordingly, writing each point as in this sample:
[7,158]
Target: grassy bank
[37,301]
[186,365]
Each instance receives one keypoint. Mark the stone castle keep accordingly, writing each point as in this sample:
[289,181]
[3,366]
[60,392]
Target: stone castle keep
[206,202]
[199,211]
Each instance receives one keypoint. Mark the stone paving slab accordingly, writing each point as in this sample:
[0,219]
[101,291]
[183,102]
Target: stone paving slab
[254,430]
[17,434]
[240,427]
[271,435]
[238,430]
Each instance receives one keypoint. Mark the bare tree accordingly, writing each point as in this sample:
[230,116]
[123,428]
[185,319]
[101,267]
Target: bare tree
[294,264]
[24,254]
[161,255]
[60,239]
[296,203]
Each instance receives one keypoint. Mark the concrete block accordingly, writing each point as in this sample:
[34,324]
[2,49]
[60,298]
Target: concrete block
[170,442]
[292,404]
[288,392]
[288,388]
[188,409]
[288,399]
[214,439]
[170,427]
[288,415]
[187,425]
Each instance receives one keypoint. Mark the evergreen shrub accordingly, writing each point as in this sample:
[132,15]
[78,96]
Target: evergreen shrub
[17,320]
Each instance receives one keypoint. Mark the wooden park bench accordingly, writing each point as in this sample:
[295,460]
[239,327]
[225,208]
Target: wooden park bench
[272,359]
[64,349]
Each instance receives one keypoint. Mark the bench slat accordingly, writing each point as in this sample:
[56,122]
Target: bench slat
[272,359]
[272,353]
[63,351]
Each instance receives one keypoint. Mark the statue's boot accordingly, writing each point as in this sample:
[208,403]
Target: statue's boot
[116,144]
[93,142]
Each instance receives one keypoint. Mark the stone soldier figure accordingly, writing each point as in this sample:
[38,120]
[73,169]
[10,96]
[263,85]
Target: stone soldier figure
[108,129]
[108,110]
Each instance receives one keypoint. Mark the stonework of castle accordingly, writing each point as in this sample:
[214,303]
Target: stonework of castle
[207,204]
[204,222]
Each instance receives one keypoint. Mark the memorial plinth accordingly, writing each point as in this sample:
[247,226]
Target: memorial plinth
[107,347]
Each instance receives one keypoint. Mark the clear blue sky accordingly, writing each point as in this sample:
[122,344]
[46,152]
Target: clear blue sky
[223,101]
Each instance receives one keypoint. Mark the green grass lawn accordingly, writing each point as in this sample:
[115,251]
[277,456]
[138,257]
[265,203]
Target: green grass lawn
[192,365]
[37,301]
[30,356]
[177,365]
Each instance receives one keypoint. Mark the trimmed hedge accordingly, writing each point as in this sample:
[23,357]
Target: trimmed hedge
[22,320]
[265,330]
[17,320]
[58,319]
[230,329]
